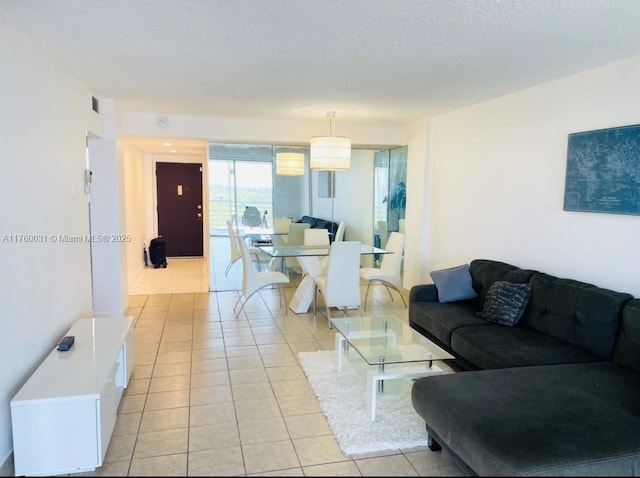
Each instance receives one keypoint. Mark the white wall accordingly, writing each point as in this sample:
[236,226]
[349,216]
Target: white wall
[135,194]
[108,249]
[45,286]
[497,184]
[258,131]
[417,219]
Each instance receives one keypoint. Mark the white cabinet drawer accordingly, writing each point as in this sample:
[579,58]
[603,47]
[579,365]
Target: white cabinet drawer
[52,436]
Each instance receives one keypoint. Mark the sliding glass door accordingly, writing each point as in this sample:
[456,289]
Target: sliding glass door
[240,176]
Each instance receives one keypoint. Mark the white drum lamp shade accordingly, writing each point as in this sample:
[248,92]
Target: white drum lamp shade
[290,164]
[330,153]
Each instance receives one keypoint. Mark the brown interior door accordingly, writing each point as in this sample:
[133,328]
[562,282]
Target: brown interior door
[180,214]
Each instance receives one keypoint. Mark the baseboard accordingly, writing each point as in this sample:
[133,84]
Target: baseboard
[7,468]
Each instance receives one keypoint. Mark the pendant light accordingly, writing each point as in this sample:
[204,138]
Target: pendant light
[290,164]
[330,153]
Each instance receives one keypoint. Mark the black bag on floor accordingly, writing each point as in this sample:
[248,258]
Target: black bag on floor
[157,254]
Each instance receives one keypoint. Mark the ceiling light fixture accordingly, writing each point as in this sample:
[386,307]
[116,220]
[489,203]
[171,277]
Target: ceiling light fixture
[330,153]
[290,164]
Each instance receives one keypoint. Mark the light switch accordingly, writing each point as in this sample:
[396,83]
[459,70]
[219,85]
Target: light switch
[179,189]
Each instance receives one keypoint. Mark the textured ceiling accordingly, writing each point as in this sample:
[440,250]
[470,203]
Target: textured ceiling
[382,61]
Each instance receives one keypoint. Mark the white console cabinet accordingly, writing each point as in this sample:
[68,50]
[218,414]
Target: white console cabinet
[63,416]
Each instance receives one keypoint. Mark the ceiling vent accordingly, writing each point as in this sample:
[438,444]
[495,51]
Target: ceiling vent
[95,104]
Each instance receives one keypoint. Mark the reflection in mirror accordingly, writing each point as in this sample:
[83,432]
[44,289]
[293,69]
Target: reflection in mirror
[389,194]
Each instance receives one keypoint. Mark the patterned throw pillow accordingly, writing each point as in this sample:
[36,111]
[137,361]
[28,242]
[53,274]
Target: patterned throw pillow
[505,302]
[454,284]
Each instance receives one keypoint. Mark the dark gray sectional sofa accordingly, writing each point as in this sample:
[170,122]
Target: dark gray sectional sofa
[317,223]
[558,394]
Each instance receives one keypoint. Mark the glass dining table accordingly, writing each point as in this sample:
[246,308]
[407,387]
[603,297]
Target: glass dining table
[258,235]
[303,295]
[276,251]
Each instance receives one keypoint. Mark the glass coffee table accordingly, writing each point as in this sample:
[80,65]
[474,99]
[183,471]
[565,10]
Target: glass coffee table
[391,349]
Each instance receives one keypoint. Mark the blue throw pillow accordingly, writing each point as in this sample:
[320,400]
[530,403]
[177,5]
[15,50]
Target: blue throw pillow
[505,302]
[454,284]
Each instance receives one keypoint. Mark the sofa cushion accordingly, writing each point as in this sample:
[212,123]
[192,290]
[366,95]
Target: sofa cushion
[322,224]
[576,312]
[332,227]
[485,272]
[422,292]
[627,351]
[441,319]
[497,346]
[318,223]
[454,284]
[561,420]
[505,302]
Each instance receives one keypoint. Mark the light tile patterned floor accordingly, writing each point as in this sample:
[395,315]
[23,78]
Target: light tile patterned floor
[216,395]
[194,274]
[180,275]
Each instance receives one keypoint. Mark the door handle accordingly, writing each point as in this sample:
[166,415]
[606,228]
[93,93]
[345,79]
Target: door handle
[199,214]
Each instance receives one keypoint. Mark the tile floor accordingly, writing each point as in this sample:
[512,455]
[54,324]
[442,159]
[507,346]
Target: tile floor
[181,275]
[216,395]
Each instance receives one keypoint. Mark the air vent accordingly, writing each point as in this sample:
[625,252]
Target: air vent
[95,104]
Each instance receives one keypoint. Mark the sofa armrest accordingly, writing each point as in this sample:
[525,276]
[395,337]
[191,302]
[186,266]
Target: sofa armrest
[423,293]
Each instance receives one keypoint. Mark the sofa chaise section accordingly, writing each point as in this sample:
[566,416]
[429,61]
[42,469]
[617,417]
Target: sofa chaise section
[553,420]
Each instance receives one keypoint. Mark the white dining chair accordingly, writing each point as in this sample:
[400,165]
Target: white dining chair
[389,273]
[340,232]
[281,226]
[313,266]
[382,229]
[340,284]
[296,233]
[234,251]
[253,281]
[278,263]
[279,238]
[339,236]
[316,237]
[296,238]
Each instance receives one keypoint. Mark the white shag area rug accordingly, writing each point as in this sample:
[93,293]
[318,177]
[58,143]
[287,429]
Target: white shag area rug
[342,398]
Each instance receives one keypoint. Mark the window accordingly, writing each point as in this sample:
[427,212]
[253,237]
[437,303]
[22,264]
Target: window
[239,176]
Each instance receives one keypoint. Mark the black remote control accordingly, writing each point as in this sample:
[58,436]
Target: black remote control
[66,343]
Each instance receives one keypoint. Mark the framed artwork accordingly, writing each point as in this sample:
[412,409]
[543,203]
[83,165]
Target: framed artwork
[325,184]
[603,171]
